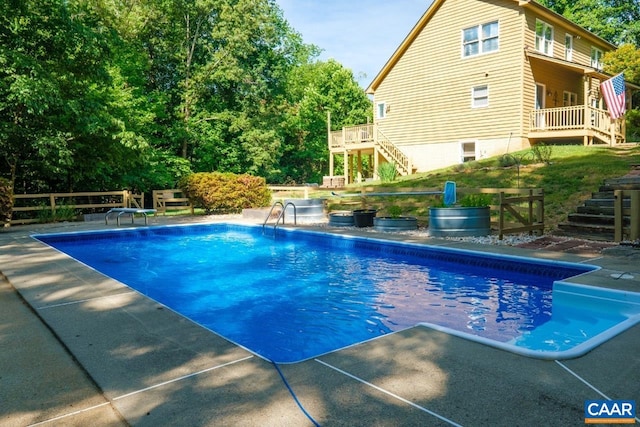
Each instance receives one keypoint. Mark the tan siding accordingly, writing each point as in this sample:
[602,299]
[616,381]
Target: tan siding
[429,90]
[582,42]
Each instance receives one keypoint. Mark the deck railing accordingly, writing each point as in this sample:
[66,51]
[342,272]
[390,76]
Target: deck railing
[364,134]
[576,117]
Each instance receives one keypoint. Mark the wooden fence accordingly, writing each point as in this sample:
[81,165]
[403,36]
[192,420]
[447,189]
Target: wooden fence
[170,200]
[31,208]
[514,210]
[626,219]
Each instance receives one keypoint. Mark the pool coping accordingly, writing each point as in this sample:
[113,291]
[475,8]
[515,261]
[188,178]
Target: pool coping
[417,376]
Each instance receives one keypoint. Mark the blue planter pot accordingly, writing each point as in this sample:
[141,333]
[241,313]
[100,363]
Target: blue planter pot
[341,219]
[403,223]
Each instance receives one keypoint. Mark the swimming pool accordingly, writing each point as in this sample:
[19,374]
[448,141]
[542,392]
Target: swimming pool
[306,293]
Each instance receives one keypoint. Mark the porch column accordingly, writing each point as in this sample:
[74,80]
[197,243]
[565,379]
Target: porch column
[586,116]
[612,131]
[376,162]
[359,167]
[345,163]
[330,164]
[329,142]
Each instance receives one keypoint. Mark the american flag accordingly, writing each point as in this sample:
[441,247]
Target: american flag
[613,91]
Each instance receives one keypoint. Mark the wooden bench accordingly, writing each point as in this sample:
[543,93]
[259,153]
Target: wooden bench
[128,211]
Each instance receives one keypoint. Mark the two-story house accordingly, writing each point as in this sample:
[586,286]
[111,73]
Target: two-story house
[479,78]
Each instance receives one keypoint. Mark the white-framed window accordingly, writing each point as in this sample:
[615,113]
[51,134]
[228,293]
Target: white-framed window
[569,99]
[481,39]
[568,47]
[381,110]
[467,151]
[596,58]
[480,96]
[544,37]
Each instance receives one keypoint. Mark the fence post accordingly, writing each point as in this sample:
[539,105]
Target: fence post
[618,215]
[530,212]
[52,202]
[540,215]
[634,232]
[501,217]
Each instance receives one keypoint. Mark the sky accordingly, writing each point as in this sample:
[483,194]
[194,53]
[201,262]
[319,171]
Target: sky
[360,34]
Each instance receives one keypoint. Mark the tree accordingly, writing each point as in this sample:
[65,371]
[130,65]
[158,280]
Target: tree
[626,59]
[316,89]
[617,21]
[57,124]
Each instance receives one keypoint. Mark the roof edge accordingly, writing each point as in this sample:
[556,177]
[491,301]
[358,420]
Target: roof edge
[408,41]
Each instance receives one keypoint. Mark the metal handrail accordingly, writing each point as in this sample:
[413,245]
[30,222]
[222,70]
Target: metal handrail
[280,216]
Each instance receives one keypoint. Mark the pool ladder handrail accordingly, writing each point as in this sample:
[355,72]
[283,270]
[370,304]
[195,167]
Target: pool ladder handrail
[280,215]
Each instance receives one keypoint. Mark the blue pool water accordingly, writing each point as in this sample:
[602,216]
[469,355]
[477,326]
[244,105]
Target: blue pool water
[302,294]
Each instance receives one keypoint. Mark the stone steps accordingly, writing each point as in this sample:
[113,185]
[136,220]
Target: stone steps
[595,219]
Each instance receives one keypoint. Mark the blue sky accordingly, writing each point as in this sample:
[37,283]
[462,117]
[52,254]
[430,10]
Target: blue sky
[360,34]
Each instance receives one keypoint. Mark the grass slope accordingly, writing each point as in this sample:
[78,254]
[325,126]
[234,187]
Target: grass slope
[572,175]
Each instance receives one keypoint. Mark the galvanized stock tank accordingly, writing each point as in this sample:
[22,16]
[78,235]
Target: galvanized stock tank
[460,221]
[307,211]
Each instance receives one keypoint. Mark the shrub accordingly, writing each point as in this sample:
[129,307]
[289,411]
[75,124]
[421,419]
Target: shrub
[542,152]
[387,172]
[63,212]
[218,192]
[476,200]
[506,161]
[6,202]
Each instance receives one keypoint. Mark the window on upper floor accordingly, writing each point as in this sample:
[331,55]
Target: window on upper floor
[596,58]
[381,110]
[569,99]
[480,96]
[480,39]
[568,47]
[544,38]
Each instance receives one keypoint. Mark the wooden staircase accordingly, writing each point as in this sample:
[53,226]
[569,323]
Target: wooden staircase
[393,154]
[594,220]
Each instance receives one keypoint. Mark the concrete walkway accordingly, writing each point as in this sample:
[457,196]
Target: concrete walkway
[77,348]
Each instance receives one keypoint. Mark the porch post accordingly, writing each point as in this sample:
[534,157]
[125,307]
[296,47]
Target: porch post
[359,165]
[346,166]
[612,132]
[586,84]
[329,142]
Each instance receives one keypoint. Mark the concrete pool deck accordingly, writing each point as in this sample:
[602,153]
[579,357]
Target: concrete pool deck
[77,348]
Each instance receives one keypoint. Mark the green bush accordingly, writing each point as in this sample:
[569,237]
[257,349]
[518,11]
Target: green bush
[6,202]
[220,193]
[63,212]
[387,172]
[542,152]
[476,200]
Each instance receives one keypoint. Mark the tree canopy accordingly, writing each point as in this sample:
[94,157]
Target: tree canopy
[103,94]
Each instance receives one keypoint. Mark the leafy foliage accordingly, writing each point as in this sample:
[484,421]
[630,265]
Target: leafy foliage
[97,94]
[6,202]
[617,21]
[387,172]
[218,192]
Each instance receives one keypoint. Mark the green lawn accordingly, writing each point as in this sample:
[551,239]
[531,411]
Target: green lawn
[573,173]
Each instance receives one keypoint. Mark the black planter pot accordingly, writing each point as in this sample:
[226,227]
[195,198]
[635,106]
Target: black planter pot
[363,217]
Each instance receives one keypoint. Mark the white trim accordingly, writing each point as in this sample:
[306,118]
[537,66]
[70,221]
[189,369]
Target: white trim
[568,48]
[476,99]
[543,45]
[479,40]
